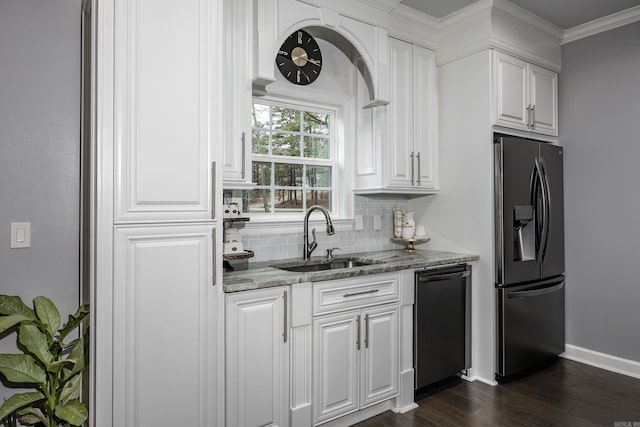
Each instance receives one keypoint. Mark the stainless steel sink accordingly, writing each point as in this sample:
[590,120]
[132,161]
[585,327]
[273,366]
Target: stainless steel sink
[335,264]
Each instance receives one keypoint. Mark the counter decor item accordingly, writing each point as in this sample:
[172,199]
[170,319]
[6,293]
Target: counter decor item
[421,231]
[408,231]
[410,243]
[49,365]
[233,249]
[398,217]
[408,219]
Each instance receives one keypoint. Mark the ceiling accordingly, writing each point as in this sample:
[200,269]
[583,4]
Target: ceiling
[563,13]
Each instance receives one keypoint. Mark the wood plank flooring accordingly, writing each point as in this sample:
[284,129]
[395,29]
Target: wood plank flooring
[564,394]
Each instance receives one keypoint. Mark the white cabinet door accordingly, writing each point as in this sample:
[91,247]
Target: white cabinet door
[380,367]
[164,109]
[544,100]
[412,154]
[424,118]
[257,358]
[237,140]
[511,92]
[163,304]
[525,95]
[336,346]
[400,152]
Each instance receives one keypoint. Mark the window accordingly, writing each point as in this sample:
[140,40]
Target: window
[293,159]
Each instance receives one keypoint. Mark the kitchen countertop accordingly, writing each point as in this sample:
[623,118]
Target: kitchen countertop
[261,275]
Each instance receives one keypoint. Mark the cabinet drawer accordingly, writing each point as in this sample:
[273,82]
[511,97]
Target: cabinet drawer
[338,295]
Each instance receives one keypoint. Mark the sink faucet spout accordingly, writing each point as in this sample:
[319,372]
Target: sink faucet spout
[309,247]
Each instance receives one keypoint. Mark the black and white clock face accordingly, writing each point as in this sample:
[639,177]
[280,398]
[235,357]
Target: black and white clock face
[299,59]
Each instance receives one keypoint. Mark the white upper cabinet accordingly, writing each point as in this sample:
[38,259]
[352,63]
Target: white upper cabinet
[237,133]
[405,131]
[164,98]
[525,95]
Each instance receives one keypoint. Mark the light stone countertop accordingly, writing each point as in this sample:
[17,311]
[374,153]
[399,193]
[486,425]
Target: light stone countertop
[261,275]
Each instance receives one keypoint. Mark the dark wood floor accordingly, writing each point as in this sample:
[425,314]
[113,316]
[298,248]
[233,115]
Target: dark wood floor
[564,394]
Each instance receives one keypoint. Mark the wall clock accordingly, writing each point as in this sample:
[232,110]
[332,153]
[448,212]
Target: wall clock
[299,58]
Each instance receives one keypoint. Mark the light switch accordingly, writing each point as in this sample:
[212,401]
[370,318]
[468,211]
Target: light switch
[377,222]
[20,235]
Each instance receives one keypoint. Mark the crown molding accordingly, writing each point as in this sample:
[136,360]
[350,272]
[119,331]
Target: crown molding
[466,12]
[384,5]
[600,25]
[526,19]
[523,54]
[419,28]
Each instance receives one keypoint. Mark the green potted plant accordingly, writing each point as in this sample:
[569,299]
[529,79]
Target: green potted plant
[48,364]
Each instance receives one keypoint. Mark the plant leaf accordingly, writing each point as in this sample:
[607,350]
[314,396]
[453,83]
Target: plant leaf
[18,401]
[14,305]
[47,313]
[32,416]
[20,368]
[77,356]
[35,342]
[11,320]
[74,320]
[71,390]
[74,412]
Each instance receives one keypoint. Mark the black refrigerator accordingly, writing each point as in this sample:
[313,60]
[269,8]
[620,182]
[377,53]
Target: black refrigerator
[529,271]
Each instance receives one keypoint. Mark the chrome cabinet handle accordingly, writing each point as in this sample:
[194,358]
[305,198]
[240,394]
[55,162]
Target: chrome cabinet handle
[366,331]
[419,169]
[286,321]
[213,253]
[244,169]
[213,190]
[352,294]
[528,121]
[358,338]
[533,117]
[412,166]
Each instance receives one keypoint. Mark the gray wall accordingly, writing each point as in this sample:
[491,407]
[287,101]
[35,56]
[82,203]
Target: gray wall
[599,95]
[39,150]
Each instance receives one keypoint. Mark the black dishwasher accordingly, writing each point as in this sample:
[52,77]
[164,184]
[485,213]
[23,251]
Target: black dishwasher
[442,323]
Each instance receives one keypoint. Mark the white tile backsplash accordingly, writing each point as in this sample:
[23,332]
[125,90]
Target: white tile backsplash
[289,245]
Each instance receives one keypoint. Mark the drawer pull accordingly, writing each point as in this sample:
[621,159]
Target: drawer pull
[370,291]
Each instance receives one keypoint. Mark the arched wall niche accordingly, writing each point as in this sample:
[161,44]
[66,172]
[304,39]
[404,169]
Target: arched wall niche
[360,41]
[347,47]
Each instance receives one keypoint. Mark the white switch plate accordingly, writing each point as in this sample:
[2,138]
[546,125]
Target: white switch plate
[359,225]
[377,222]
[20,235]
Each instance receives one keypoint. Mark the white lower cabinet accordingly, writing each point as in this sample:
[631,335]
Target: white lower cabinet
[163,323]
[257,358]
[310,353]
[355,344]
[356,361]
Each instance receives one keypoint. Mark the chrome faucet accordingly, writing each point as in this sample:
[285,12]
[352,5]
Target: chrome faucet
[310,247]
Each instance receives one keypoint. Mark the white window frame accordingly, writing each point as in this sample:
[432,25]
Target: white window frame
[343,154]
[300,160]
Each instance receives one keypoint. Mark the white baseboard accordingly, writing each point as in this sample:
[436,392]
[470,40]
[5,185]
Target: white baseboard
[611,363]
[481,379]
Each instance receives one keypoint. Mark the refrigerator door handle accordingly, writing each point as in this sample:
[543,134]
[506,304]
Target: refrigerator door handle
[545,207]
[535,292]
[547,216]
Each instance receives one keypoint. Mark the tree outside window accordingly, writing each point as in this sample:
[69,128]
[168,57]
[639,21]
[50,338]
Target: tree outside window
[292,159]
